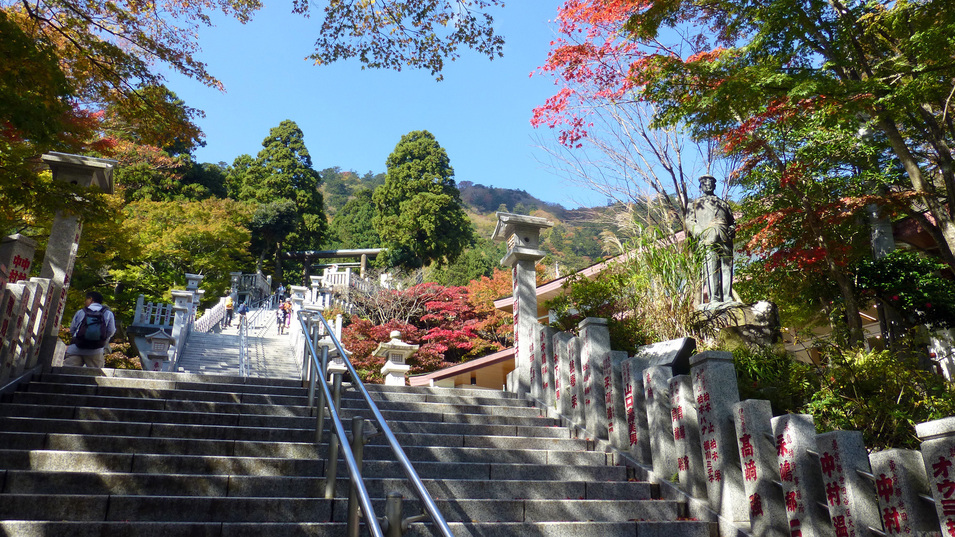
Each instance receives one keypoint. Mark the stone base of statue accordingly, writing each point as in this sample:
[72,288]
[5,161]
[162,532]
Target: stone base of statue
[745,324]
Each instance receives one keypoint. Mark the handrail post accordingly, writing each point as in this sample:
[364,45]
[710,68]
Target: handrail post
[320,376]
[393,514]
[358,449]
[330,475]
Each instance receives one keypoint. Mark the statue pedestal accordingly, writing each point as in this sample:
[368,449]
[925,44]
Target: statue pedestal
[750,324]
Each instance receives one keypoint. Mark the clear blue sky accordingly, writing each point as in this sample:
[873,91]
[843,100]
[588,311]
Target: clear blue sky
[352,118]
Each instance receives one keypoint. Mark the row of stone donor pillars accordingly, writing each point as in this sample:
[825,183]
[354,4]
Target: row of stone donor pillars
[676,412]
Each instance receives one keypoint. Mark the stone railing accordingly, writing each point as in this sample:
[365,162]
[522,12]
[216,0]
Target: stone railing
[153,314]
[24,310]
[677,417]
[250,288]
[210,317]
[177,320]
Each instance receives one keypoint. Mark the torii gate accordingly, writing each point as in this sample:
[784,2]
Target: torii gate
[308,255]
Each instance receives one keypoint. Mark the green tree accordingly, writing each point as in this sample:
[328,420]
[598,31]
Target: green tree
[420,218]
[282,170]
[479,260]
[270,225]
[206,237]
[352,226]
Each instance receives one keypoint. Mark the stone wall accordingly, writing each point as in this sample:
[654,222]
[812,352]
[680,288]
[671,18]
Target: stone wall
[752,473]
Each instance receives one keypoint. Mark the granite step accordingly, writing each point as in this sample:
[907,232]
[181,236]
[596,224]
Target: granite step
[44,482]
[257,529]
[137,453]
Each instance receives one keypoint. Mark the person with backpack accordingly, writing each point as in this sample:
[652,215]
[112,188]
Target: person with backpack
[91,329]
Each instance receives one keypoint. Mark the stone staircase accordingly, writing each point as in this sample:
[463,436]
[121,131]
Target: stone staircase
[129,453]
[270,354]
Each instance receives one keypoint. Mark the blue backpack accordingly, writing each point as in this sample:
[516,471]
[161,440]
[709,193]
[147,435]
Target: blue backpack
[91,334]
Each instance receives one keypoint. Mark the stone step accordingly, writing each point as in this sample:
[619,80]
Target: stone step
[257,529]
[349,399]
[226,448]
[391,411]
[167,376]
[189,382]
[71,461]
[90,507]
[40,482]
[408,433]
[240,420]
[64,461]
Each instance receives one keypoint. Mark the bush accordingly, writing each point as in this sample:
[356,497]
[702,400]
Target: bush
[880,393]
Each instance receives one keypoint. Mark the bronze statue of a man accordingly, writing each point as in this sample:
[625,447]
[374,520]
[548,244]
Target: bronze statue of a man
[710,219]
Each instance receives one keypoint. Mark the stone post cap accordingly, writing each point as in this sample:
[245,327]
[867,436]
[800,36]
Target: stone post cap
[182,298]
[596,321]
[707,356]
[520,230]
[193,280]
[931,430]
[22,239]
[522,234]
[80,170]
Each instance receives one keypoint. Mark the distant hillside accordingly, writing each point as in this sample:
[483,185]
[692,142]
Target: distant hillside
[489,199]
[572,244]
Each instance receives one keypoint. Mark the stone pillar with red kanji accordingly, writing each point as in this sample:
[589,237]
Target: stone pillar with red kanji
[547,357]
[656,388]
[716,391]
[800,477]
[571,393]
[850,495]
[534,362]
[522,235]
[686,436]
[617,404]
[635,410]
[938,453]
[595,365]
[900,485]
[757,455]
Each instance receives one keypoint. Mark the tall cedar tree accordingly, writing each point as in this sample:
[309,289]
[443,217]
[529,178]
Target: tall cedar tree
[420,218]
[283,171]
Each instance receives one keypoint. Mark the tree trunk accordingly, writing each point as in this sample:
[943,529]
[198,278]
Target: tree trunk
[925,189]
[279,275]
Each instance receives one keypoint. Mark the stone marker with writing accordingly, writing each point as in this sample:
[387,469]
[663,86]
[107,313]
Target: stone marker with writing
[616,402]
[575,384]
[757,455]
[547,356]
[563,394]
[938,453]
[716,391]
[656,386]
[635,407]
[594,356]
[534,362]
[899,482]
[686,436]
[800,476]
[853,508]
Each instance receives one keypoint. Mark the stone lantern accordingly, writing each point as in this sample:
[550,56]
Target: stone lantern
[522,235]
[395,353]
[64,238]
[156,357]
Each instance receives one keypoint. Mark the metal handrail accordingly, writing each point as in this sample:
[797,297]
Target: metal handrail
[430,507]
